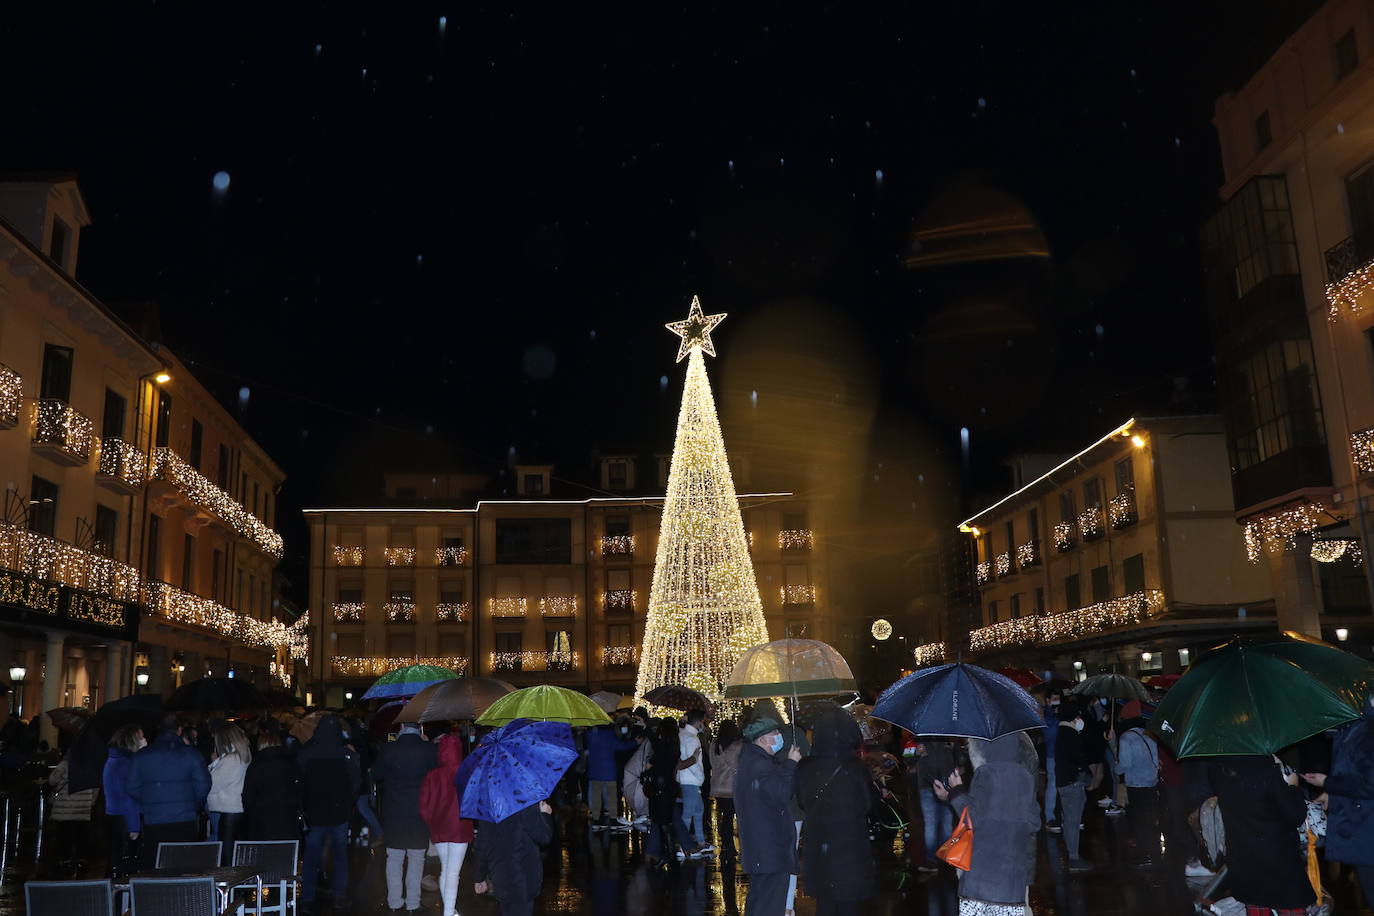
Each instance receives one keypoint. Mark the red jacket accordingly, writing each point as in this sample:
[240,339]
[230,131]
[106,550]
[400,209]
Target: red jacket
[439,796]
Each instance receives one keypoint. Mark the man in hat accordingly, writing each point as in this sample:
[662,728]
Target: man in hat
[767,837]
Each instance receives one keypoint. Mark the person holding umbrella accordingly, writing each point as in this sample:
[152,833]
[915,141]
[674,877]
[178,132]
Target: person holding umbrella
[764,785]
[1349,794]
[401,770]
[448,829]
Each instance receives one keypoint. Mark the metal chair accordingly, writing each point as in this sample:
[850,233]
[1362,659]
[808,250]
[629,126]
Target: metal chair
[77,898]
[173,897]
[188,855]
[276,862]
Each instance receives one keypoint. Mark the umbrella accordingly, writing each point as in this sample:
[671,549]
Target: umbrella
[626,703]
[142,709]
[70,719]
[789,667]
[1053,685]
[958,701]
[1023,676]
[675,696]
[407,681]
[465,698]
[1257,697]
[225,694]
[514,767]
[1162,681]
[546,702]
[609,702]
[1112,686]
[385,717]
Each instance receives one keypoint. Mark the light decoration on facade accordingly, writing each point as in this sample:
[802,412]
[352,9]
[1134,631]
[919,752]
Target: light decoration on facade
[51,560]
[122,461]
[451,611]
[1090,523]
[984,573]
[450,556]
[1348,290]
[1279,528]
[795,539]
[932,653]
[617,545]
[298,638]
[529,660]
[619,656]
[1070,625]
[558,606]
[797,594]
[1002,564]
[57,423]
[11,396]
[1121,510]
[280,673]
[619,599]
[369,666]
[1329,550]
[399,556]
[183,607]
[508,607]
[881,629]
[1362,450]
[349,611]
[1063,536]
[704,608]
[399,611]
[348,555]
[168,467]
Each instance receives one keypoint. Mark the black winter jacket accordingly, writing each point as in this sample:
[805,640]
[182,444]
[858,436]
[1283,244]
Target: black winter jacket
[507,856]
[169,781]
[1261,814]
[272,796]
[835,792]
[329,776]
[400,772]
[763,793]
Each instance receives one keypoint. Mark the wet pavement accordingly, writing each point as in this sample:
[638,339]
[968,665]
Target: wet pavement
[606,873]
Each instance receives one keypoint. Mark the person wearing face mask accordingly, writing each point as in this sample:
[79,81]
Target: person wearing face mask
[1072,775]
[764,784]
[122,813]
[1050,714]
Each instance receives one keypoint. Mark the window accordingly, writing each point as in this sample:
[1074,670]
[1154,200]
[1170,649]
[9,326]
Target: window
[1067,511]
[453,547]
[188,562]
[254,503]
[112,418]
[349,645]
[222,471]
[1359,194]
[164,418]
[1073,596]
[617,475]
[992,612]
[1011,540]
[265,605]
[217,575]
[57,373]
[451,592]
[350,593]
[154,547]
[1102,584]
[533,540]
[400,645]
[1263,133]
[239,591]
[619,634]
[252,594]
[617,524]
[793,521]
[1039,601]
[453,644]
[1033,525]
[401,592]
[1015,607]
[1271,403]
[43,506]
[1092,493]
[197,443]
[1125,474]
[617,580]
[243,488]
[60,241]
[106,530]
[534,484]
[797,629]
[1345,55]
[1133,573]
[509,642]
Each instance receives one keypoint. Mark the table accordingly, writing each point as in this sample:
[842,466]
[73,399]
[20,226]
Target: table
[226,878]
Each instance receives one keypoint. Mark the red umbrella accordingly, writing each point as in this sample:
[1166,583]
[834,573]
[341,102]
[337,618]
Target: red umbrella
[1023,677]
[1162,681]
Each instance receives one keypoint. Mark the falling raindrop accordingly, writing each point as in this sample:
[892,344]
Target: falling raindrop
[1099,330]
[220,181]
[243,396]
[754,398]
[443,24]
[878,178]
[663,383]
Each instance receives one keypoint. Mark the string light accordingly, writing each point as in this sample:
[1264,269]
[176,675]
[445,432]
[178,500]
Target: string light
[450,556]
[58,423]
[399,556]
[43,597]
[1329,550]
[704,607]
[348,555]
[451,611]
[797,594]
[399,611]
[932,653]
[619,656]
[795,539]
[617,545]
[558,606]
[1362,450]
[1076,624]
[11,396]
[1002,564]
[95,609]
[184,607]
[984,573]
[1121,509]
[881,629]
[508,607]
[370,666]
[349,611]
[168,466]
[51,560]
[122,461]
[1275,530]
[559,660]
[298,638]
[1090,523]
[1027,554]
[1063,536]
[1348,290]
[619,599]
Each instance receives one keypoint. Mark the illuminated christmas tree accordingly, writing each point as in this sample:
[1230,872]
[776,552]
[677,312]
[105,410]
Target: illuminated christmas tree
[704,608]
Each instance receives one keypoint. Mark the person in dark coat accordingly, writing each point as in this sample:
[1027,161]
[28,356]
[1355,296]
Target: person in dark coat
[936,759]
[506,858]
[666,835]
[1002,809]
[604,744]
[400,771]
[329,779]
[272,792]
[169,781]
[1261,810]
[764,787]
[1072,775]
[1349,788]
[124,820]
[835,793]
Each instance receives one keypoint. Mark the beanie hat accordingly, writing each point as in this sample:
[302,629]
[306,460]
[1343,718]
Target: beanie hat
[760,727]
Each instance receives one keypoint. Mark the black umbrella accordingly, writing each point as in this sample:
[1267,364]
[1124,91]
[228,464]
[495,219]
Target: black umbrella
[225,694]
[86,765]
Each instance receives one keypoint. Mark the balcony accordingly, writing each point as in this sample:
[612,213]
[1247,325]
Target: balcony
[1001,564]
[1350,274]
[1064,536]
[452,611]
[374,667]
[795,539]
[399,556]
[508,607]
[932,653]
[183,607]
[450,556]
[62,433]
[534,661]
[797,595]
[1028,555]
[619,656]
[1341,260]
[1090,523]
[348,611]
[1136,607]
[619,601]
[348,555]
[1362,450]
[11,397]
[618,545]
[198,491]
[558,606]
[1121,510]
[122,467]
[984,573]
[399,611]
[51,560]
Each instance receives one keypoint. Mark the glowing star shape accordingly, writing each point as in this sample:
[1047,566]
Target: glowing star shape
[695,331]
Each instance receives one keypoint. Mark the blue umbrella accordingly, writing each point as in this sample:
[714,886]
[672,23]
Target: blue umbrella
[960,701]
[514,767]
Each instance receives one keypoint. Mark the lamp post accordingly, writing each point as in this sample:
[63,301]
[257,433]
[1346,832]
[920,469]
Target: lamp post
[17,675]
[141,679]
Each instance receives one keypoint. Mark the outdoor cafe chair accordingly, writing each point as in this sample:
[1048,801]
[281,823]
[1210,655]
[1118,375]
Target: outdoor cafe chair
[68,898]
[276,863]
[173,897]
[188,855]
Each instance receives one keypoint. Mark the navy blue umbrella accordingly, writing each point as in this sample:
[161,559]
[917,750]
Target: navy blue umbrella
[959,701]
[514,767]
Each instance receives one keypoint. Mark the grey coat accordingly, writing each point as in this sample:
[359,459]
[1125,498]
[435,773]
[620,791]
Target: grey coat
[1005,817]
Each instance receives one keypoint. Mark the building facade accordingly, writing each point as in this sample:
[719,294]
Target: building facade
[1289,256]
[1124,557]
[531,590]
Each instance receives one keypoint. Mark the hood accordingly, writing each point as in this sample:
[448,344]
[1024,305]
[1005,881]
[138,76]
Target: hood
[168,739]
[450,752]
[1006,749]
[835,734]
[328,733]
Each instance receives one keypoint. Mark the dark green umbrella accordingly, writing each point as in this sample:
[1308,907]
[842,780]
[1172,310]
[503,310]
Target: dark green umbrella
[1260,696]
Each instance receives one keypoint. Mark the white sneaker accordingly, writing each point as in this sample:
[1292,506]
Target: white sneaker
[681,855]
[1196,869]
[1115,811]
[1105,803]
[624,820]
[643,819]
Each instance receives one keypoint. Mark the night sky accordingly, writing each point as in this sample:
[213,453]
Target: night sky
[452,230]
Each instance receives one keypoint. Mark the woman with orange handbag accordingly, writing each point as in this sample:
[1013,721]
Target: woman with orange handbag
[998,807]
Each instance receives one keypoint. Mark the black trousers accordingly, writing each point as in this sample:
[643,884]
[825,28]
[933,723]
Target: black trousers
[725,827]
[829,906]
[1142,813]
[767,894]
[521,907]
[119,861]
[153,834]
[230,829]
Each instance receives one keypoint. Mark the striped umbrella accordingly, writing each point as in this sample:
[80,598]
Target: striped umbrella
[407,681]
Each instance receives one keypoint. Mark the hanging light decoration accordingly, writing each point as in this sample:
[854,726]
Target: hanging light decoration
[881,629]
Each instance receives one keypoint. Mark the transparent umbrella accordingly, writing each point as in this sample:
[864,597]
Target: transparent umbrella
[789,667]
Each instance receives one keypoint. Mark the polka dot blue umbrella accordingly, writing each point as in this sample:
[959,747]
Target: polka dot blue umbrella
[515,766]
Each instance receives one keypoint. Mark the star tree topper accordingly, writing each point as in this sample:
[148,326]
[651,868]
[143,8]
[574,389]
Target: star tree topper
[695,331]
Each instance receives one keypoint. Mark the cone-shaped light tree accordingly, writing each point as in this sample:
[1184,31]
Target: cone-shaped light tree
[704,608]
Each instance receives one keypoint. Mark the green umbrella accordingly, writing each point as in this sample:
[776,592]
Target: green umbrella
[1259,696]
[408,681]
[545,702]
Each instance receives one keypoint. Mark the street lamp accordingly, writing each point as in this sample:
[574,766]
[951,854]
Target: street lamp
[141,679]
[349,695]
[17,674]
[1342,634]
